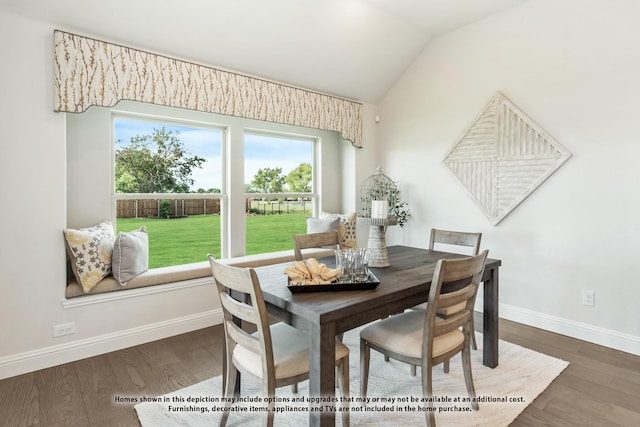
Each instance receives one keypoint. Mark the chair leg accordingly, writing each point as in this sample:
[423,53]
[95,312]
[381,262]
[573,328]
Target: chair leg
[468,376]
[343,383]
[364,368]
[229,390]
[414,370]
[474,345]
[294,388]
[427,391]
[271,392]
[445,366]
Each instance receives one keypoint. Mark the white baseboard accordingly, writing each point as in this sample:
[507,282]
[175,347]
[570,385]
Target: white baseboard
[64,353]
[582,331]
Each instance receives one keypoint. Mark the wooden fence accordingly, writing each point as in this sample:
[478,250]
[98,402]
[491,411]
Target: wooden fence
[150,208]
[177,208]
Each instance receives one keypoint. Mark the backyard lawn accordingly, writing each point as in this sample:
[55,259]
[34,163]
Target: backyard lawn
[186,240]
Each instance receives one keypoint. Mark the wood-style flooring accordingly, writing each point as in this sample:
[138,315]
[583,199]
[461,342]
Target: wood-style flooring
[601,386]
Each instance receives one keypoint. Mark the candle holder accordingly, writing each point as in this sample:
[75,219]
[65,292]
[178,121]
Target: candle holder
[377,244]
[380,207]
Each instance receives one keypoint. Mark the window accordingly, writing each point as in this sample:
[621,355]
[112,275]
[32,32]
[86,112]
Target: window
[168,176]
[225,223]
[279,189]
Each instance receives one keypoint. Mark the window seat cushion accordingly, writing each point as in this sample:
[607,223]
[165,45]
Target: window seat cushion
[179,273]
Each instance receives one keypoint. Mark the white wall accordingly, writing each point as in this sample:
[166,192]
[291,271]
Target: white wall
[32,257]
[573,67]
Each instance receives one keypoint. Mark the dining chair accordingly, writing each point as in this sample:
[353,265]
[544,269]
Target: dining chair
[455,238]
[421,337]
[468,240]
[275,355]
[314,240]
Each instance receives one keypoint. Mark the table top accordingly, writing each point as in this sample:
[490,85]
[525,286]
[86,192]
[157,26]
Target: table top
[405,283]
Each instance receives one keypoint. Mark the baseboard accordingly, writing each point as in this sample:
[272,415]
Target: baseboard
[582,331]
[64,353]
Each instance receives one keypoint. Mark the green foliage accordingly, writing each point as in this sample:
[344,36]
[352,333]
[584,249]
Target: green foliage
[268,180]
[155,163]
[299,179]
[385,190]
[164,208]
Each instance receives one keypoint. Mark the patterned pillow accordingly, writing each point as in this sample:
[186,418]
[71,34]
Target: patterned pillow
[346,230]
[90,251]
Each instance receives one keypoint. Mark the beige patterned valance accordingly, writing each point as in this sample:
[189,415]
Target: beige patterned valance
[93,72]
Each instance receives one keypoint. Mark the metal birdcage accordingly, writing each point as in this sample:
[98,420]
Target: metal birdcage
[378,187]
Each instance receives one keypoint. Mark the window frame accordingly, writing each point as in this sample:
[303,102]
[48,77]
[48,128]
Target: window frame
[226,199]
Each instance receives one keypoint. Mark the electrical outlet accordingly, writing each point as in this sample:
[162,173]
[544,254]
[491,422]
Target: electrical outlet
[64,329]
[588,298]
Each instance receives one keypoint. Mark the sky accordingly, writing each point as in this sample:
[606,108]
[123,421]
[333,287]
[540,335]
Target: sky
[261,151]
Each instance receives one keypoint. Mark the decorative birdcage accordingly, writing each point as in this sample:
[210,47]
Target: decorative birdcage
[380,206]
[379,197]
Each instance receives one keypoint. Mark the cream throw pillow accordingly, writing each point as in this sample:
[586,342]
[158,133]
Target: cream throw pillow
[130,255]
[322,225]
[90,251]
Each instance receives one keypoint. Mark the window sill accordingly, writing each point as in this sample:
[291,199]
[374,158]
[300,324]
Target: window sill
[169,279]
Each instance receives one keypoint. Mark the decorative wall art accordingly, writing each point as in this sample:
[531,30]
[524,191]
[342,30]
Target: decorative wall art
[503,157]
[93,72]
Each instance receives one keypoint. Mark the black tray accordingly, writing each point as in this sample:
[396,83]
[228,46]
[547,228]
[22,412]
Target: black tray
[372,282]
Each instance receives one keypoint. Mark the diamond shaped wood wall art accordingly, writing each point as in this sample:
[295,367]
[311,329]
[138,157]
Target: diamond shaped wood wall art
[503,157]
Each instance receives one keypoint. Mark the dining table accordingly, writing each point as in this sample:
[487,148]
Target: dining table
[324,315]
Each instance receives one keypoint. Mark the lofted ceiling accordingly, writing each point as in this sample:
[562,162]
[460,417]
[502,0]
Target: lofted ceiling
[351,48]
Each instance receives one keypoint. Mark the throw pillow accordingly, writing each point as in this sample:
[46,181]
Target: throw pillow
[90,251]
[346,228]
[130,255]
[322,225]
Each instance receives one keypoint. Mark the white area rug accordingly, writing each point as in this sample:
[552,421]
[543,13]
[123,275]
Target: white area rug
[504,392]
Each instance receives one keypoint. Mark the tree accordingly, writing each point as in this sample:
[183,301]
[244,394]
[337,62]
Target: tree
[299,179]
[156,163]
[268,180]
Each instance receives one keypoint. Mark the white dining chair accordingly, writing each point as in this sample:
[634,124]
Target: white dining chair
[275,355]
[421,337]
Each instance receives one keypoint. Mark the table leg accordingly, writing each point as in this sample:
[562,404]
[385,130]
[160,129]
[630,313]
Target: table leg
[322,382]
[490,320]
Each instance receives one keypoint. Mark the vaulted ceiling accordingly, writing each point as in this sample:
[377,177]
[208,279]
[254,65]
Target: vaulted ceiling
[351,48]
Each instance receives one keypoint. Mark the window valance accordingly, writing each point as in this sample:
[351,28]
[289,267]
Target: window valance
[93,72]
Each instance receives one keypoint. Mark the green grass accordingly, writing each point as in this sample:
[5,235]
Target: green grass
[185,240]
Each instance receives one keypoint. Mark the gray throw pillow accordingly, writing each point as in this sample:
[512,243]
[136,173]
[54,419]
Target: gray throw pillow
[130,255]
[322,225]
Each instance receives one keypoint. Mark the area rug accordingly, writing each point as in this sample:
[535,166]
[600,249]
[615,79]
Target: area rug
[503,393]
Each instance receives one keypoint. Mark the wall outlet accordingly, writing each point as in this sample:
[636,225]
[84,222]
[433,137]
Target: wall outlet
[588,298]
[64,329]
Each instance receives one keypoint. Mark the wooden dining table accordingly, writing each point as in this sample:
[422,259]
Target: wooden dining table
[324,315]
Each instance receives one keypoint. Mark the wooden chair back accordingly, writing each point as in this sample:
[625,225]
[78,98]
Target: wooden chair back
[241,297]
[314,240]
[457,238]
[465,274]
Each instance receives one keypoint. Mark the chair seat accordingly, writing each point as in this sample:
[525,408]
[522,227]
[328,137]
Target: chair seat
[290,353]
[402,334]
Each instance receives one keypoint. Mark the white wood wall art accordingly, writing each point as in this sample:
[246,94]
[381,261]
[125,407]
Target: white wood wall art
[503,157]
[93,72]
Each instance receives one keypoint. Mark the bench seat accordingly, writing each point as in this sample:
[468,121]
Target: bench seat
[196,270]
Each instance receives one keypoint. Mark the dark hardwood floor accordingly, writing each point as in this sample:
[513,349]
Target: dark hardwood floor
[601,387]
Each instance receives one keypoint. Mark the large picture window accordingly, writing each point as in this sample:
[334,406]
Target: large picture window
[280,187]
[213,204]
[168,177]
